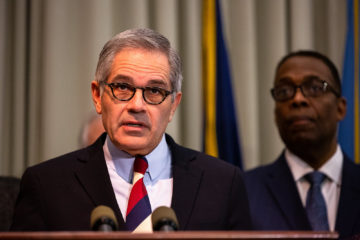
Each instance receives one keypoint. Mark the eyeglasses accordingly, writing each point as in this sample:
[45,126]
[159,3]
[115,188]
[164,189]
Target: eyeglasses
[309,88]
[125,92]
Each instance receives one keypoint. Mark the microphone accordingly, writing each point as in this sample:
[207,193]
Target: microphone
[164,219]
[103,219]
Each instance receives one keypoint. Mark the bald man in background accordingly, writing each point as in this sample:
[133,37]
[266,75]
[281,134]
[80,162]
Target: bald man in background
[91,130]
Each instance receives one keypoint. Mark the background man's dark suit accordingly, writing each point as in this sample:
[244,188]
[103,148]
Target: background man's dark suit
[275,202]
[208,194]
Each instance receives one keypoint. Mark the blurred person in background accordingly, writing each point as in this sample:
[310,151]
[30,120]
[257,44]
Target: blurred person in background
[91,130]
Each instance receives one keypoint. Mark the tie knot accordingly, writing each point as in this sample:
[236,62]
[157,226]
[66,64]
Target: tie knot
[315,178]
[140,164]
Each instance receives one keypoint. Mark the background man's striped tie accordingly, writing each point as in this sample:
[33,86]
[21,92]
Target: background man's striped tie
[138,214]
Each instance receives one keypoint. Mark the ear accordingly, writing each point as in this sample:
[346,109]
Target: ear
[341,108]
[175,104]
[96,96]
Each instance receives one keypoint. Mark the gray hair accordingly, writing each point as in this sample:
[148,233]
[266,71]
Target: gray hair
[144,39]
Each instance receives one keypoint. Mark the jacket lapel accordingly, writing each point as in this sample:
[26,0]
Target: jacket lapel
[284,191]
[94,178]
[349,207]
[186,182]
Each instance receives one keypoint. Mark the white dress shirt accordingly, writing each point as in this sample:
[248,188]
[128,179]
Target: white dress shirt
[330,188]
[157,179]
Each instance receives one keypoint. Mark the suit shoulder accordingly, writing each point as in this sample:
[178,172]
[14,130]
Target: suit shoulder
[351,170]
[72,158]
[350,164]
[257,177]
[278,165]
[60,162]
[204,160]
[217,162]
[186,157]
[258,171]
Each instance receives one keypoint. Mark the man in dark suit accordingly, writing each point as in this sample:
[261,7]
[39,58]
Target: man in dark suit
[308,107]
[9,189]
[137,89]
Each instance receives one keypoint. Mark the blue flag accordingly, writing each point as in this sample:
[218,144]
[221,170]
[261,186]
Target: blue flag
[349,133]
[220,124]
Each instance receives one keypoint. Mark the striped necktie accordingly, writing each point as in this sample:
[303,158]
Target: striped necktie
[315,203]
[138,214]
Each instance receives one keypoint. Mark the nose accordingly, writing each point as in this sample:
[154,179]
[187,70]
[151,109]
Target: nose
[137,102]
[299,99]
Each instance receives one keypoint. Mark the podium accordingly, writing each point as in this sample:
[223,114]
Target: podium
[187,235]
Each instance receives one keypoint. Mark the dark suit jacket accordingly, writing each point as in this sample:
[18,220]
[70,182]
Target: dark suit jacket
[275,203]
[208,194]
[9,189]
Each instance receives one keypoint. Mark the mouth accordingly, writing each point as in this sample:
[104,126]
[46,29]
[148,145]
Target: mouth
[300,121]
[134,124]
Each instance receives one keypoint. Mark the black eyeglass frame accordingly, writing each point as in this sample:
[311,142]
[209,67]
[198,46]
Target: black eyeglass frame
[112,85]
[326,87]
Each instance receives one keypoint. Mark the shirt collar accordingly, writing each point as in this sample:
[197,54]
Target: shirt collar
[332,168]
[159,161]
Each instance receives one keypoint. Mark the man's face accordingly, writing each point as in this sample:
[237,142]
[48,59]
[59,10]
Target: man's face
[135,126]
[307,120]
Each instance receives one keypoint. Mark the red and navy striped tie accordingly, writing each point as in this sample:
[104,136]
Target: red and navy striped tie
[138,214]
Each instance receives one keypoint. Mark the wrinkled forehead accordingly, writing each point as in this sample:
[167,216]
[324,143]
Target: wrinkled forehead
[141,62]
[134,53]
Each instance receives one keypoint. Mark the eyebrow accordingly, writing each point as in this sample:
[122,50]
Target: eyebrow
[122,77]
[157,82]
[283,80]
[308,77]
[312,77]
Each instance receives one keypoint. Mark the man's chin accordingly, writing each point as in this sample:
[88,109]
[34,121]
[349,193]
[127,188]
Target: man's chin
[300,140]
[134,146]
[298,134]
[301,128]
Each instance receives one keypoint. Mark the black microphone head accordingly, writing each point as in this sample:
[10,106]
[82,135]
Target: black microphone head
[164,219]
[103,219]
